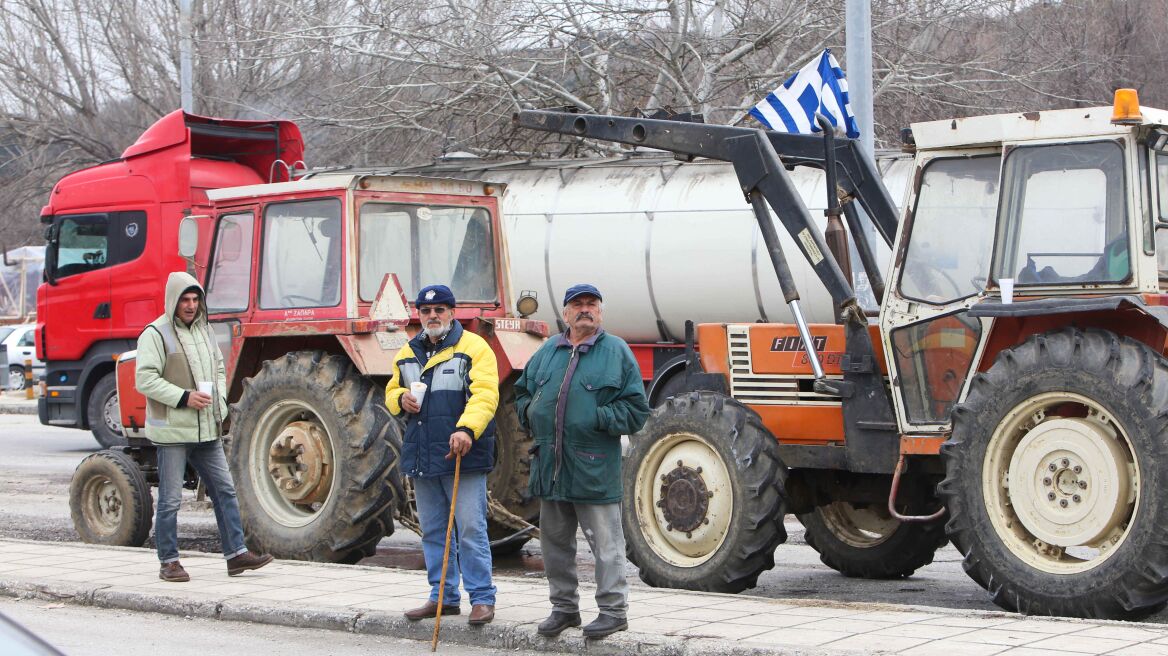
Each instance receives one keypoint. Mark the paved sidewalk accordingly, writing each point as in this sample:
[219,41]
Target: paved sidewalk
[662,622]
[15,403]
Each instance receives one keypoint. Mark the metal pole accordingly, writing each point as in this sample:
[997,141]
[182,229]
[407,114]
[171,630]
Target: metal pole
[184,56]
[859,71]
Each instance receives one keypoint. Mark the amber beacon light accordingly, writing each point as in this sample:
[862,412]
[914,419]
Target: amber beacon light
[1126,108]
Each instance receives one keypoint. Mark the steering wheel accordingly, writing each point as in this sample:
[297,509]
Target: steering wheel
[937,286]
[289,300]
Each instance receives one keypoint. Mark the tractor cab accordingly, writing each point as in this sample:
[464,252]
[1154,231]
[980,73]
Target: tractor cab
[1018,222]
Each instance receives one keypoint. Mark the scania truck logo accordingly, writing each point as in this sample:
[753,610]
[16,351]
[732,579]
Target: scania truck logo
[795,343]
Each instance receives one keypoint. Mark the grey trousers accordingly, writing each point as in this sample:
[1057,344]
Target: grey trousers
[601,523]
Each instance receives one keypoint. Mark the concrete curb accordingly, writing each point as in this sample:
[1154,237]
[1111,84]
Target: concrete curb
[17,409]
[497,635]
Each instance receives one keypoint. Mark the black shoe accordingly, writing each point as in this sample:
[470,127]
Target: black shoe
[557,622]
[605,625]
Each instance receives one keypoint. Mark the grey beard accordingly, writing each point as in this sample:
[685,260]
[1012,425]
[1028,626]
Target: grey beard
[437,334]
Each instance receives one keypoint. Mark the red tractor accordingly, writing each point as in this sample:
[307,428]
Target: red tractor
[295,273]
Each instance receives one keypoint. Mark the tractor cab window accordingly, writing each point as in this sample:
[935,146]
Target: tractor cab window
[301,255]
[229,285]
[1063,216]
[427,245]
[952,230]
[1162,214]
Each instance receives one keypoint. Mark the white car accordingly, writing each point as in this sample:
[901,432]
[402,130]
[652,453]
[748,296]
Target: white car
[17,341]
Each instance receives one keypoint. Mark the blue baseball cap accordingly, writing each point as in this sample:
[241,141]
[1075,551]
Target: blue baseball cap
[581,290]
[435,295]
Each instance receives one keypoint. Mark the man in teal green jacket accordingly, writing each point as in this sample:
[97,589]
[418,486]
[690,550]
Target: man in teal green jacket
[180,371]
[578,394]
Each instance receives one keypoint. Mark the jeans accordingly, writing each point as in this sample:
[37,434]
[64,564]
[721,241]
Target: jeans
[557,540]
[470,548]
[208,460]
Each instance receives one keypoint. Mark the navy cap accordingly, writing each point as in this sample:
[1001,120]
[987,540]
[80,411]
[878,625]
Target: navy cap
[435,295]
[580,290]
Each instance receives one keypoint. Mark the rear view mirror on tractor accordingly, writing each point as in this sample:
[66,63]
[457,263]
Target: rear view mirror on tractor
[188,236]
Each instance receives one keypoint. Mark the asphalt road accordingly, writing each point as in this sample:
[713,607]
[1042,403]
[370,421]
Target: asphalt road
[34,505]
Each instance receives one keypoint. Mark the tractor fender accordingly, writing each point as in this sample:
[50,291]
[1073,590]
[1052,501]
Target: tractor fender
[372,353]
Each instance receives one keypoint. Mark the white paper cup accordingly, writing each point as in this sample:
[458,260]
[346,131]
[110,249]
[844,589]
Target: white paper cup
[1007,287]
[206,387]
[419,391]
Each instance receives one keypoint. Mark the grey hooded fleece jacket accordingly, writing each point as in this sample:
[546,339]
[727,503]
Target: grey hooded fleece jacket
[172,359]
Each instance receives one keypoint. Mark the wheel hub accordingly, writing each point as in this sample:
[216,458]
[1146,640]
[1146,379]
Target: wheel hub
[1068,483]
[104,504]
[684,498]
[299,463]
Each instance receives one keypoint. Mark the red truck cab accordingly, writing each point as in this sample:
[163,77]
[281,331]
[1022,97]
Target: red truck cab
[112,232]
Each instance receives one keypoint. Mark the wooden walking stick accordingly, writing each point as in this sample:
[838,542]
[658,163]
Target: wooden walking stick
[446,552]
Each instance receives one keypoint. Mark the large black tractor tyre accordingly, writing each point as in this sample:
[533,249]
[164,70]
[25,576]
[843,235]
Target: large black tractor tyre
[1056,473]
[507,482]
[109,500]
[314,454]
[866,542]
[703,499]
[102,413]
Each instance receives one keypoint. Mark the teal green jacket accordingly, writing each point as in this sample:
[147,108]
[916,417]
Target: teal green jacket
[577,451]
[171,359]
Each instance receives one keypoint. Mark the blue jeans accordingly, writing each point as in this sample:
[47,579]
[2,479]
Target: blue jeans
[208,460]
[470,548]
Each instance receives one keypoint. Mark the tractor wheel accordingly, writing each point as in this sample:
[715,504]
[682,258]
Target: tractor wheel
[314,454]
[703,495]
[105,419]
[1056,477]
[864,541]
[507,482]
[110,500]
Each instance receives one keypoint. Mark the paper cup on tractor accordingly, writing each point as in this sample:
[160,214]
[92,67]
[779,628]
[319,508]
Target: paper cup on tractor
[419,391]
[206,387]
[1007,287]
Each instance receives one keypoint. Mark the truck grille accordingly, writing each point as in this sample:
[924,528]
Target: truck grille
[768,389]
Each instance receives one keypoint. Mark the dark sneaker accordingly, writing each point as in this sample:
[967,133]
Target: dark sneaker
[605,625]
[557,622]
[245,561]
[430,609]
[173,572]
[481,614]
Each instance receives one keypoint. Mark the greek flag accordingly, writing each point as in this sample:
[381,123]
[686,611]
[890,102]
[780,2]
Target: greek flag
[818,87]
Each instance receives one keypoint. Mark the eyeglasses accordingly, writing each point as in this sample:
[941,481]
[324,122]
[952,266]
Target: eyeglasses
[433,309]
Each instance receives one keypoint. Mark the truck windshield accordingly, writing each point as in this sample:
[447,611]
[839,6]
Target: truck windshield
[1064,216]
[952,230]
[427,245]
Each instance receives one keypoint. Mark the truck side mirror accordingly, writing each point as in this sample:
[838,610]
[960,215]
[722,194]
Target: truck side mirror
[188,237]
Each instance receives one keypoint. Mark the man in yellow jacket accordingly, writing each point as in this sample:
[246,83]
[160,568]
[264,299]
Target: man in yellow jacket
[180,371]
[454,416]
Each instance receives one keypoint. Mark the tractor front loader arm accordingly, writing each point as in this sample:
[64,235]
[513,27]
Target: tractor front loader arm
[760,159]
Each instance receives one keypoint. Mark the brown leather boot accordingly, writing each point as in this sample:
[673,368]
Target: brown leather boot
[245,561]
[173,572]
[481,614]
[430,609]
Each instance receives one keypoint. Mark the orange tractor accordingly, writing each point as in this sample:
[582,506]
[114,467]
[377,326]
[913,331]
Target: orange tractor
[1011,396]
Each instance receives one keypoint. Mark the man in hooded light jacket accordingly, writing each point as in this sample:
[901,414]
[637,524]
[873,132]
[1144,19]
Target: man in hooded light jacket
[177,354]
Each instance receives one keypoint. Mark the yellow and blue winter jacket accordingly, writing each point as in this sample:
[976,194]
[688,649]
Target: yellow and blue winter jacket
[462,391]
